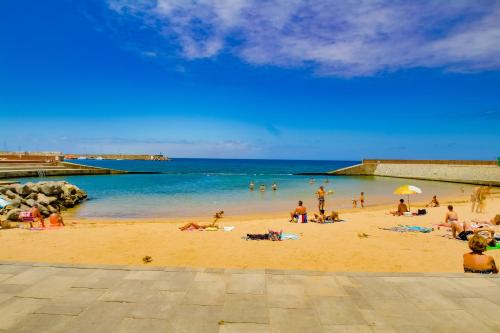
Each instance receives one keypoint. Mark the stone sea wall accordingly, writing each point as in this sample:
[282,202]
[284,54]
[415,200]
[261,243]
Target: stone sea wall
[481,174]
[49,196]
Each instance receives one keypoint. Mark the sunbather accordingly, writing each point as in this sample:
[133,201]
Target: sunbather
[322,218]
[434,202]
[465,230]
[56,220]
[192,225]
[299,210]
[476,261]
[402,208]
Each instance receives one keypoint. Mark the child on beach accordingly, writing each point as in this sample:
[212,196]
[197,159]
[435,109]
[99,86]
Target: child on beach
[354,203]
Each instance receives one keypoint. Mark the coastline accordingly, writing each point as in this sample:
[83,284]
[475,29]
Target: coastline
[330,247]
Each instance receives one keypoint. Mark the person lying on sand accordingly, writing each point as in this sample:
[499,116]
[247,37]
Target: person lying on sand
[192,225]
[434,202]
[476,261]
[402,208]
[299,210]
[322,218]
[465,230]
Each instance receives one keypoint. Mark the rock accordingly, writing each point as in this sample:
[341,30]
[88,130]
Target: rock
[45,200]
[52,209]
[47,189]
[23,190]
[10,194]
[13,215]
[32,195]
[15,203]
[45,212]
[30,202]
[24,207]
[3,189]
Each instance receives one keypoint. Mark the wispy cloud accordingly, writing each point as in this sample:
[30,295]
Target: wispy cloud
[339,38]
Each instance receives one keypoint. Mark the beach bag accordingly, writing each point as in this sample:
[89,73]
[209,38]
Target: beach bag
[422,211]
[26,217]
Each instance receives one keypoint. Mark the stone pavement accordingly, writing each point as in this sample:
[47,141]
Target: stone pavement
[69,298]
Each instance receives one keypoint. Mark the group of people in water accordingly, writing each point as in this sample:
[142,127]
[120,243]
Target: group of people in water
[262,187]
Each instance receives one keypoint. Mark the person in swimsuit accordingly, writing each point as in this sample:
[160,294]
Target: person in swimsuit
[450,217]
[274,186]
[299,210]
[434,202]
[362,199]
[192,225]
[476,261]
[262,188]
[252,186]
[322,218]
[402,208]
[37,216]
[56,220]
[321,198]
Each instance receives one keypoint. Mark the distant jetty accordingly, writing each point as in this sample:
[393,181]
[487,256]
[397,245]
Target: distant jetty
[457,171]
[143,157]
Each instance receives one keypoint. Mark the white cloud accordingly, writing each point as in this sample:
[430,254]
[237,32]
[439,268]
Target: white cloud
[339,38]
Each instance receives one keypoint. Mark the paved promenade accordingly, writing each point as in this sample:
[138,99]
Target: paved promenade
[66,298]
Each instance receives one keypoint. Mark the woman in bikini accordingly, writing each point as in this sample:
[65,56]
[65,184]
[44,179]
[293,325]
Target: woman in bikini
[192,225]
[476,261]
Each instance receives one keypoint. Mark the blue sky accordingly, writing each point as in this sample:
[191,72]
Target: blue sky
[248,79]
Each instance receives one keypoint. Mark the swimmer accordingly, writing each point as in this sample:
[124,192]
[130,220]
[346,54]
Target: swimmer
[262,188]
[274,187]
[252,186]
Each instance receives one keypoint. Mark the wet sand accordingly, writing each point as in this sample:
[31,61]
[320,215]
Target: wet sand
[324,247]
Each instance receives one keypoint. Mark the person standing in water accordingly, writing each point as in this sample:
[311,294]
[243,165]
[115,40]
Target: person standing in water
[362,199]
[274,186]
[252,185]
[262,188]
[321,198]
[311,181]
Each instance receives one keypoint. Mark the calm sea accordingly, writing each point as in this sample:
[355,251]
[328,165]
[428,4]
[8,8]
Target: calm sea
[194,187]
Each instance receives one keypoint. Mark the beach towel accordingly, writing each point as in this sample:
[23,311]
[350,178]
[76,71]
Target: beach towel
[329,221]
[496,247]
[408,228]
[289,236]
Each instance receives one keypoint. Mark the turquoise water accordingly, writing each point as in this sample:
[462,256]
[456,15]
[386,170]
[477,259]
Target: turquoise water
[194,187]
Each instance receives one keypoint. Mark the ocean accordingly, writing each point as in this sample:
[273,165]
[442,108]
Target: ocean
[199,187]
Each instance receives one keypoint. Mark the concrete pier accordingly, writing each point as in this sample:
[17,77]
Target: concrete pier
[457,171]
[27,168]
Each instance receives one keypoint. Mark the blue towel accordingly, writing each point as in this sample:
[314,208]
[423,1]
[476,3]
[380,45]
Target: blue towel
[288,235]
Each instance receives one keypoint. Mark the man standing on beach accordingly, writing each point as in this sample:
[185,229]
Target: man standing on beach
[321,198]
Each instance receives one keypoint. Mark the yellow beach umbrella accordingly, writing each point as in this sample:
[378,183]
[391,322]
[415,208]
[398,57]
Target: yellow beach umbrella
[407,189]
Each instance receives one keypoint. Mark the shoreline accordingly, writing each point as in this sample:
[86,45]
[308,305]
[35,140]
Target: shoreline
[333,247]
[72,216]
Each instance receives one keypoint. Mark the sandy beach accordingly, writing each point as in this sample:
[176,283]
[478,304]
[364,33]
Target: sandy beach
[324,247]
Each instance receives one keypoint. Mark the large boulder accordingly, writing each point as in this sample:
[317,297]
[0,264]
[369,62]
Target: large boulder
[13,215]
[10,194]
[33,196]
[47,189]
[23,190]
[45,200]
[30,202]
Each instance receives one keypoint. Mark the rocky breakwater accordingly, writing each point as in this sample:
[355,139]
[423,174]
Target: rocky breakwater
[50,197]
